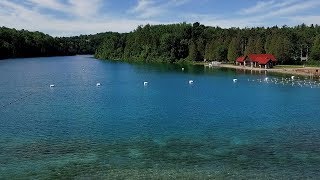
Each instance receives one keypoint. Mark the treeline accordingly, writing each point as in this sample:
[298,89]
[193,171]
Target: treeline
[22,43]
[196,42]
[170,43]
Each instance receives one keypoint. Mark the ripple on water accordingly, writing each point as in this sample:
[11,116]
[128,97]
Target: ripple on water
[214,129]
[176,156]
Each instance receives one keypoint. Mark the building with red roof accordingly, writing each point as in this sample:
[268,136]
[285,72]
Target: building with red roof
[257,60]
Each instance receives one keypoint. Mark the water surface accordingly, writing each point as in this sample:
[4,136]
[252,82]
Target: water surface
[168,129]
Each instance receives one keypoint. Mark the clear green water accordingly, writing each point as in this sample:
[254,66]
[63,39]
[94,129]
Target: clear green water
[212,129]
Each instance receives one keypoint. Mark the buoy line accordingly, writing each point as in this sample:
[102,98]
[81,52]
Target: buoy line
[16,100]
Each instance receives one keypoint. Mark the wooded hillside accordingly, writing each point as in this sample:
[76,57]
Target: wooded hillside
[196,42]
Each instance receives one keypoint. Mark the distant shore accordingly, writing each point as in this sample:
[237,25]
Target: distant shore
[313,72]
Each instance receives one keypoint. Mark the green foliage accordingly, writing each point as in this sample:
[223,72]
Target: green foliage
[196,42]
[169,43]
[250,48]
[112,46]
[313,63]
[216,51]
[255,45]
[194,54]
[259,46]
[21,43]
[281,46]
[148,43]
[315,50]
[220,53]
[234,50]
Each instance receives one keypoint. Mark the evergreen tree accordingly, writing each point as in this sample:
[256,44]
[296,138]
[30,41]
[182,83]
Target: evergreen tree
[259,47]
[167,43]
[250,47]
[234,50]
[280,46]
[209,53]
[315,50]
[220,53]
[194,54]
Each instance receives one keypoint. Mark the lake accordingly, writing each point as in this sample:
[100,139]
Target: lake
[214,128]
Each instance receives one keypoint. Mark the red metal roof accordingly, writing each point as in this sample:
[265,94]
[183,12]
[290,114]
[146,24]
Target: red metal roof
[241,59]
[259,58]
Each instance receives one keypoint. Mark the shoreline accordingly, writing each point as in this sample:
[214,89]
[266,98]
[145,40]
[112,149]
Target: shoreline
[313,72]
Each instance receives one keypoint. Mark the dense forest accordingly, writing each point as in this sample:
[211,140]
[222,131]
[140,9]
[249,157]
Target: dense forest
[171,43]
[21,43]
[196,42]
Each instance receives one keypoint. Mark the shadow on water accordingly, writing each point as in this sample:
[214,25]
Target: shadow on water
[194,69]
[171,68]
[265,155]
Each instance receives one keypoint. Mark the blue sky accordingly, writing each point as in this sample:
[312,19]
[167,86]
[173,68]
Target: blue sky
[74,17]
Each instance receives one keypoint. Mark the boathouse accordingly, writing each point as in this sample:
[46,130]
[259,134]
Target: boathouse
[257,60]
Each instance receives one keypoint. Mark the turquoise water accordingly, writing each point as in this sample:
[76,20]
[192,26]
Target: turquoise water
[169,129]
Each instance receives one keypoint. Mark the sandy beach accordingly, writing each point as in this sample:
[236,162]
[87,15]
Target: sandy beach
[313,72]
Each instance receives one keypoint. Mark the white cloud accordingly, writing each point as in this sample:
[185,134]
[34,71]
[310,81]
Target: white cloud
[295,8]
[263,13]
[142,5]
[274,8]
[267,12]
[305,19]
[77,8]
[260,6]
[50,4]
[85,8]
[86,17]
[266,7]
[151,8]
[146,9]
[213,20]
[21,17]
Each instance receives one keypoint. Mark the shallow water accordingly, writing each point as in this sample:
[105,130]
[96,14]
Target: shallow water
[169,129]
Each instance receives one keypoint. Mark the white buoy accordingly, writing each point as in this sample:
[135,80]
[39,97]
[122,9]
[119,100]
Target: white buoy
[51,85]
[145,83]
[292,77]
[98,84]
[235,80]
[190,81]
[182,69]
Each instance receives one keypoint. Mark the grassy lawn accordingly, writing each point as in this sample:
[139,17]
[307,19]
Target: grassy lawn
[313,65]
[288,66]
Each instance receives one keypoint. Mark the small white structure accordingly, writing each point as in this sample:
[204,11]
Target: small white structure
[190,81]
[235,80]
[292,77]
[98,84]
[266,79]
[145,83]
[182,69]
[214,63]
[51,85]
